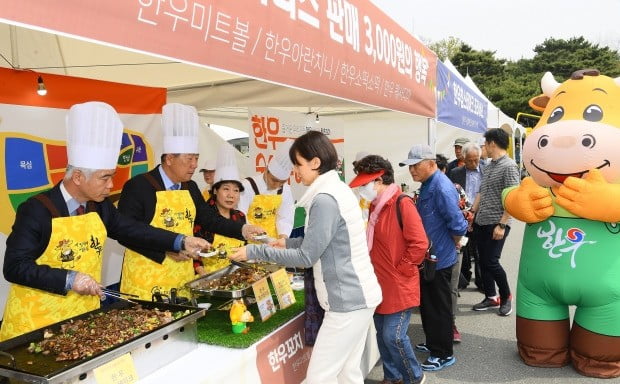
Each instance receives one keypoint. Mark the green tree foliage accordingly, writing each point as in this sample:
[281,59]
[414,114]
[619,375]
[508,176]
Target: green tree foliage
[509,85]
[446,48]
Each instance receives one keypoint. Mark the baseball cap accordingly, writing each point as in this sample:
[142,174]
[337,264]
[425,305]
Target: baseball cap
[461,141]
[418,153]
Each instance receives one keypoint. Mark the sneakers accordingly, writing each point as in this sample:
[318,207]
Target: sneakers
[456,335]
[505,307]
[420,380]
[422,348]
[386,381]
[437,363]
[487,303]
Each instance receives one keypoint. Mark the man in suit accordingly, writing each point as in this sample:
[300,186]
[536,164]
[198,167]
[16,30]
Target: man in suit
[166,197]
[54,253]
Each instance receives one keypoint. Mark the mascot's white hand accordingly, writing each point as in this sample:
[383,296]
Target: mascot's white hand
[591,197]
[529,202]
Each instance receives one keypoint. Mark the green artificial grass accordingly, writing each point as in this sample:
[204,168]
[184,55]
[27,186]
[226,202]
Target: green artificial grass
[215,327]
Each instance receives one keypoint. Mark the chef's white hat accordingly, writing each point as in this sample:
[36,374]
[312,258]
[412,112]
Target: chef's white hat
[209,165]
[226,165]
[280,165]
[94,134]
[180,123]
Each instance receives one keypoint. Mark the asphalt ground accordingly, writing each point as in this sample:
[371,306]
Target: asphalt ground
[488,351]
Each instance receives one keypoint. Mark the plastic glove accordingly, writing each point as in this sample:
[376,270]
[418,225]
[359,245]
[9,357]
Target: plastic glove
[85,285]
[249,231]
[193,244]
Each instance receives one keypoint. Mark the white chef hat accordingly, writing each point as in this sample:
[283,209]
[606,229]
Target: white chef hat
[280,165]
[180,123]
[209,165]
[94,134]
[226,165]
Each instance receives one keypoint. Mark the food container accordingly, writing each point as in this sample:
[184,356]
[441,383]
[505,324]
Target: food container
[164,343]
[203,286]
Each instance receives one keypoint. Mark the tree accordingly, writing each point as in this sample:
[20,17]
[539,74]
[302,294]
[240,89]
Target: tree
[509,85]
[446,48]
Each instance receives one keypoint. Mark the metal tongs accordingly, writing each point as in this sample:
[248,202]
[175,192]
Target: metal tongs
[119,295]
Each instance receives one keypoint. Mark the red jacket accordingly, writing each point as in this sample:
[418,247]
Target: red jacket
[396,255]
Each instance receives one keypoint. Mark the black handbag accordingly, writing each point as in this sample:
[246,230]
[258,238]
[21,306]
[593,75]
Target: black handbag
[429,265]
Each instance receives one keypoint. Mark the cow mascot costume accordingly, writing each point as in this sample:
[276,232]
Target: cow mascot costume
[571,245]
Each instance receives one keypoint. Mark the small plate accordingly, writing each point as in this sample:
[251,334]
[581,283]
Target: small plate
[207,254]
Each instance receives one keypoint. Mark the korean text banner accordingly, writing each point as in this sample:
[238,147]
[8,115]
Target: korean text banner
[343,48]
[457,104]
[270,128]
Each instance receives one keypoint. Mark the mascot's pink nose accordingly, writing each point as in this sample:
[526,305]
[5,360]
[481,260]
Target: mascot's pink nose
[563,141]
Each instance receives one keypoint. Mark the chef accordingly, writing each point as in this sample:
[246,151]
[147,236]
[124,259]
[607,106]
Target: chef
[267,199]
[54,253]
[167,197]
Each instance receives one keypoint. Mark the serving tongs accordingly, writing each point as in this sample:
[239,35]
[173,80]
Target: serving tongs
[120,295]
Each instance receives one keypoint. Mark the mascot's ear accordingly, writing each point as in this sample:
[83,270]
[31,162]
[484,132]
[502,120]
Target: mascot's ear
[548,85]
[539,103]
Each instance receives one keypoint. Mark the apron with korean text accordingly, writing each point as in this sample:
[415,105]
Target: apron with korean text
[76,243]
[263,210]
[174,211]
[223,245]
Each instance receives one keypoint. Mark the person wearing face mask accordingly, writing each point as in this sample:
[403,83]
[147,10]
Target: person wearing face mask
[395,253]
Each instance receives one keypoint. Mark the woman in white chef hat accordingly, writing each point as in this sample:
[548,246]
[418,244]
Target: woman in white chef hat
[267,199]
[225,195]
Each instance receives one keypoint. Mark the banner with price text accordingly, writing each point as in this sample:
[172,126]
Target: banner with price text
[343,48]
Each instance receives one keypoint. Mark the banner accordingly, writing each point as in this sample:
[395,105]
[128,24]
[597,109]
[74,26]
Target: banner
[269,128]
[457,104]
[33,147]
[343,48]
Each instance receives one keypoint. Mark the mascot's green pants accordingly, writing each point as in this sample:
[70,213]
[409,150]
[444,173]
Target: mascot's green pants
[570,261]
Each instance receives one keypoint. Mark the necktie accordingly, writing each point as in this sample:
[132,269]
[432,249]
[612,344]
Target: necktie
[175,187]
[80,210]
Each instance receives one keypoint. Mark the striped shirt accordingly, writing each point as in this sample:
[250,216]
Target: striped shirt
[498,175]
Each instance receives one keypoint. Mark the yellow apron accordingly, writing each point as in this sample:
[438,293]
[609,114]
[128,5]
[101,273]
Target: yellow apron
[224,246]
[206,194]
[263,211]
[76,243]
[174,211]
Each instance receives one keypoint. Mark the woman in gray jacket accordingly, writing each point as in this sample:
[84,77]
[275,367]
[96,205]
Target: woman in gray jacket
[335,247]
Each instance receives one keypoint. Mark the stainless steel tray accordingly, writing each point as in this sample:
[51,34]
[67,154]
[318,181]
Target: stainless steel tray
[39,368]
[198,287]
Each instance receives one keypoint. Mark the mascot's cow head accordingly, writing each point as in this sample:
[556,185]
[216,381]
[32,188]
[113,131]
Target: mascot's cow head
[578,131]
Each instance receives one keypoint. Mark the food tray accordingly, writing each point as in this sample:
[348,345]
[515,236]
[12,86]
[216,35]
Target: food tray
[198,287]
[44,369]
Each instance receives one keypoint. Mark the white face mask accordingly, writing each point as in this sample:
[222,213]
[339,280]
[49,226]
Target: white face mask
[367,191]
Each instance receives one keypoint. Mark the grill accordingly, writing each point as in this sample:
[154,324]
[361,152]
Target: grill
[178,337]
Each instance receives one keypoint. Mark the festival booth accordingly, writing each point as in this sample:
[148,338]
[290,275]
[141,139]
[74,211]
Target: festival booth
[314,60]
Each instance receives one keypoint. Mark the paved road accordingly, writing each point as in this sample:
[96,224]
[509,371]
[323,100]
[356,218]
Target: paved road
[488,352]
